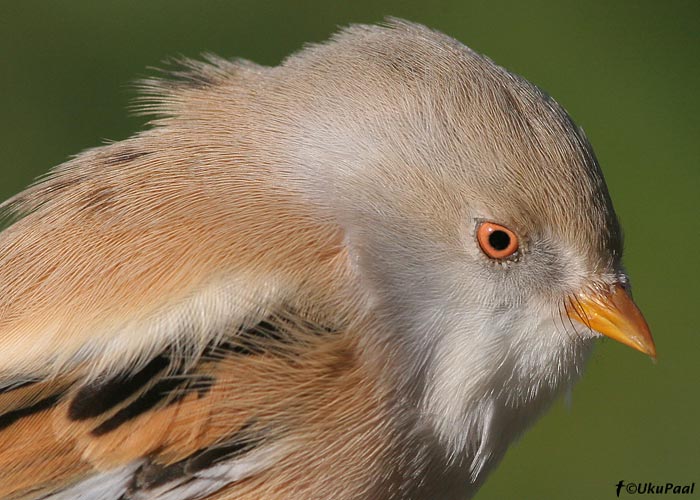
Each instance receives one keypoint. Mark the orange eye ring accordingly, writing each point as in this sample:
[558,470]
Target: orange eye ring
[496,241]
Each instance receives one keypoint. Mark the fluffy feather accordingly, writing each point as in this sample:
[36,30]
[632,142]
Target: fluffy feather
[274,292]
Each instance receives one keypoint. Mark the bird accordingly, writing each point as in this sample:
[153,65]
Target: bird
[359,274]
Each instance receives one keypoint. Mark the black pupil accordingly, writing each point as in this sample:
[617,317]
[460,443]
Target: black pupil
[499,240]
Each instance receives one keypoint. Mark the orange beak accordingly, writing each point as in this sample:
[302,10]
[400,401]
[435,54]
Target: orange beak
[615,315]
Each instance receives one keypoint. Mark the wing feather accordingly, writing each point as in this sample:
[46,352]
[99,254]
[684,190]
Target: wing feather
[172,425]
[157,298]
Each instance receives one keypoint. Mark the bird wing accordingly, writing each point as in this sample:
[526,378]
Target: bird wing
[174,428]
[143,318]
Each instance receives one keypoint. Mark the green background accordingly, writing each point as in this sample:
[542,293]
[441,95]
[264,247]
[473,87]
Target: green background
[626,71]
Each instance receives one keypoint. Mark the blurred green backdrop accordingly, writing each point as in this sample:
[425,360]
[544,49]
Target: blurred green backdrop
[626,71]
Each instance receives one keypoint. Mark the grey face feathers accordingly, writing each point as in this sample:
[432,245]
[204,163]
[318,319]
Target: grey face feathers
[359,274]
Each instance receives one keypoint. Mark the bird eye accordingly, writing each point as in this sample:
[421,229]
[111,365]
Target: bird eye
[496,241]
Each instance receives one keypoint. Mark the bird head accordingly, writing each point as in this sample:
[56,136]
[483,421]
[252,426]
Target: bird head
[476,215]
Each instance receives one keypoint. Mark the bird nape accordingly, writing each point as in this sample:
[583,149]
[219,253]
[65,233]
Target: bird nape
[359,274]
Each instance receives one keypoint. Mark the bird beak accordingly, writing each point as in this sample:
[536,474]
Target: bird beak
[613,314]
